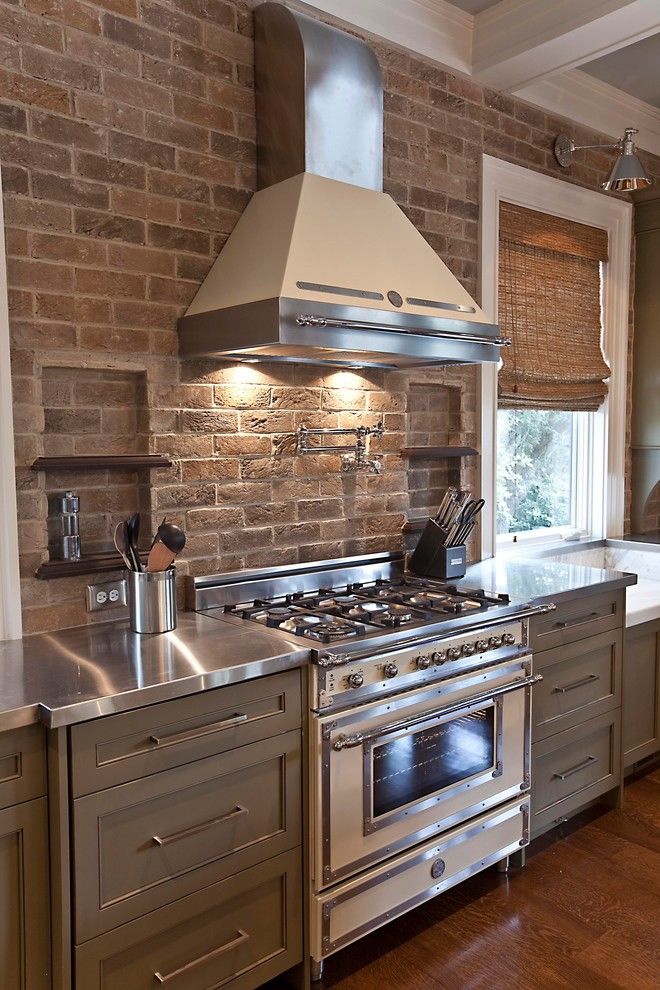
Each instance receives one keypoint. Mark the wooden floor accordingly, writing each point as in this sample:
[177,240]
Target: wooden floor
[583,914]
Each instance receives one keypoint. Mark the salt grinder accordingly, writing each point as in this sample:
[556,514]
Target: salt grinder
[63,526]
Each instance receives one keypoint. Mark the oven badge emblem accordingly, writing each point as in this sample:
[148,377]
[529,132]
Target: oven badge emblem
[438,869]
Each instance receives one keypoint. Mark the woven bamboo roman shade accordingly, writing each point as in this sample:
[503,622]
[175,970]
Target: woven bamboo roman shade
[549,304]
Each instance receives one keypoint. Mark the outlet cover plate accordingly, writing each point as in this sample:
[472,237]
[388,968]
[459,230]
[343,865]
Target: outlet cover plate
[106,595]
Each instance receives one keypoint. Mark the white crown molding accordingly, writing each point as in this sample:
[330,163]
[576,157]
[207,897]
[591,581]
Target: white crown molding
[601,107]
[434,29]
[519,41]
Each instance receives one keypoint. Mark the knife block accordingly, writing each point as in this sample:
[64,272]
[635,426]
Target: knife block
[431,558]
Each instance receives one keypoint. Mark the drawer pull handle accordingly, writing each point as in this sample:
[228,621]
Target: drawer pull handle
[590,760]
[241,937]
[185,833]
[577,684]
[576,622]
[204,730]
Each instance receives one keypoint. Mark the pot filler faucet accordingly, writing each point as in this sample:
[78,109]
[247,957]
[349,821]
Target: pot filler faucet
[354,457]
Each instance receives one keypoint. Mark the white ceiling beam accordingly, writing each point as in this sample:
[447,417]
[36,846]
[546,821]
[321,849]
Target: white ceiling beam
[586,100]
[433,28]
[518,42]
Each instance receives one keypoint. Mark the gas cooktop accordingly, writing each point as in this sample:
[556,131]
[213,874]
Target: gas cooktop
[357,609]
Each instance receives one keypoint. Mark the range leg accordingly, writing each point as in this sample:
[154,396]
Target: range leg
[518,858]
[316,971]
[503,865]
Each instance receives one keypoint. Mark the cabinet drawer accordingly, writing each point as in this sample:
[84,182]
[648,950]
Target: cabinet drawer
[580,681]
[144,844]
[120,748]
[22,765]
[247,928]
[588,615]
[361,905]
[573,767]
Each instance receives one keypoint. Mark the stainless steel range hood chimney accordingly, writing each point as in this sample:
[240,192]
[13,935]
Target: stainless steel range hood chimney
[324,267]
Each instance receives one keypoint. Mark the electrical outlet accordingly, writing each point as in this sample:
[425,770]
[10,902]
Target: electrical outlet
[109,594]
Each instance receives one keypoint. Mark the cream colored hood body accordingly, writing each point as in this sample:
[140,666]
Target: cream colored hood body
[316,263]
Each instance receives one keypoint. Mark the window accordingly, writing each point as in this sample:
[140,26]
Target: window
[542,484]
[553,379]
[598,452]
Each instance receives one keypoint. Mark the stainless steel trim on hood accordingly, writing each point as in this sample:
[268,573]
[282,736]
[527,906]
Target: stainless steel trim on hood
[339,335]
[323,321]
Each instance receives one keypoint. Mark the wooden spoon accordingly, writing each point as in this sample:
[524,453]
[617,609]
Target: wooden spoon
[170,541]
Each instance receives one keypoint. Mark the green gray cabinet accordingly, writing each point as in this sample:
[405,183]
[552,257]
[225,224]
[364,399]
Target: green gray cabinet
[641,693]
[182,855]
[576,709]
[24,869]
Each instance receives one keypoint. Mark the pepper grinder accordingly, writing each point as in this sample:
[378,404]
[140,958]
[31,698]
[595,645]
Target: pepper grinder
[63,526]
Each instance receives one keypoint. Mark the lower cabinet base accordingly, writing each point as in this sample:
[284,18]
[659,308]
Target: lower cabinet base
[573,768]
[358,906]
[244,930]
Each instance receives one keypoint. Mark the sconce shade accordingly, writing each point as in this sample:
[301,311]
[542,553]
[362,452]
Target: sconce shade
[628,174]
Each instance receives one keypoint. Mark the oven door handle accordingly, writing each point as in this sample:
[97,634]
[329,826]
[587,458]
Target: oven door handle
[354,739]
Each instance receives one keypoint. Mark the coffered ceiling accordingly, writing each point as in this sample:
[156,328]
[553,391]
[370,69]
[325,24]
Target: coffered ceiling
[635,70]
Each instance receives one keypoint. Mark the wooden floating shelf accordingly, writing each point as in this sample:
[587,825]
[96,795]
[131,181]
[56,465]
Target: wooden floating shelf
[92,564]
[96,462]
[438,452]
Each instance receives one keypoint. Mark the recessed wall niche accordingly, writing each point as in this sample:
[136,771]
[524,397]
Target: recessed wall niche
[436,418]
[89,411]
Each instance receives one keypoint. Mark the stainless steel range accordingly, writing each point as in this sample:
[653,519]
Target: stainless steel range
[420,697]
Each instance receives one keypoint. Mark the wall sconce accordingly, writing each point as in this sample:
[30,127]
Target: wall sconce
[628,173]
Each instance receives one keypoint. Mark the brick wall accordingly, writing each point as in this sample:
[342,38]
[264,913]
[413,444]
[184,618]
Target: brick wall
[127,148]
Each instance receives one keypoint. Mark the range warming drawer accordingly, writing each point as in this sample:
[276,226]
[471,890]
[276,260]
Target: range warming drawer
[359,906]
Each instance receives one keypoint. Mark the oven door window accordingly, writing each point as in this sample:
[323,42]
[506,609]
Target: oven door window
[417,764]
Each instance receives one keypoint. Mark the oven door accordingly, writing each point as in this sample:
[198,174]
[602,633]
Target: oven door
[396,772]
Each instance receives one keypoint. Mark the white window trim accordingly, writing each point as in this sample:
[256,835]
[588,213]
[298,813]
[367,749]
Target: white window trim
[10,591]
[502,181]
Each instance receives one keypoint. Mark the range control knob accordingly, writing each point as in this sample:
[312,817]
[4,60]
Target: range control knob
[495,642]
[468,649]
[482,645]
[508,639]
[423,661]
[453,653]
[439,657]
[355,680]
[390,670]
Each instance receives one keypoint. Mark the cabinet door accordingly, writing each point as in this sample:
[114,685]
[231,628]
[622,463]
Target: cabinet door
[641,693]
[24,897]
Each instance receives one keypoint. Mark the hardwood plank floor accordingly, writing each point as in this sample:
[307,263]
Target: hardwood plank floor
[584,914]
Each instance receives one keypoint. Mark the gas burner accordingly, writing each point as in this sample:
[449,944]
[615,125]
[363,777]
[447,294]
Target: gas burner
[355,609]
[382,613]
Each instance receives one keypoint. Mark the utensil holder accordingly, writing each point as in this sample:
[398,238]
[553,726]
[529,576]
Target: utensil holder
[152,600]
[433,559]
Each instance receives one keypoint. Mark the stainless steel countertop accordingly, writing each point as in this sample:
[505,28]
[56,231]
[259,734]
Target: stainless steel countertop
[77,674]
[533,579]
[82,673]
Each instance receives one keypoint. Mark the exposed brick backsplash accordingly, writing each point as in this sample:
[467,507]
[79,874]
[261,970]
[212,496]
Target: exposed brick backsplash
[127,143]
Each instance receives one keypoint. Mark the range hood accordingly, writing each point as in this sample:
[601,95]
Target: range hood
[323,267]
